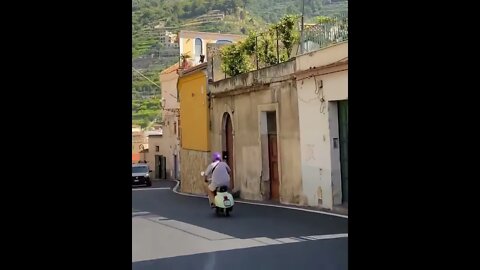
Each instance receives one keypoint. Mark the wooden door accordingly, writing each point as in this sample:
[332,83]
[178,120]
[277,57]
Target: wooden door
[273,164]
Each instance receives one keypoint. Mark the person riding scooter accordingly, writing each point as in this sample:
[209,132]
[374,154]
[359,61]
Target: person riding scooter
[219,174]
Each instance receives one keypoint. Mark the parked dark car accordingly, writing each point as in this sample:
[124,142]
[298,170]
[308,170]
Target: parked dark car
[141,175]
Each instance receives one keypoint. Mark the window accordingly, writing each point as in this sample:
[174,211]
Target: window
[175,128]
[139,169]
[198,47]
[157,148]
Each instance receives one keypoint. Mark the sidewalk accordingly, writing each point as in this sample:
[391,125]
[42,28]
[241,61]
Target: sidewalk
[341,210]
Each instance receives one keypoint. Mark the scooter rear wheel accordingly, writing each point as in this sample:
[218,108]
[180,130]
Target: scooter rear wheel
[222,211]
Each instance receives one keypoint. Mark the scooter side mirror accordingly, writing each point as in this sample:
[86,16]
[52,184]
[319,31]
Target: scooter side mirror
[202,173]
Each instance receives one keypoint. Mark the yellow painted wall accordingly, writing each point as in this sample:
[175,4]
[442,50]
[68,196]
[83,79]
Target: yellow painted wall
[194,117]
[187,46]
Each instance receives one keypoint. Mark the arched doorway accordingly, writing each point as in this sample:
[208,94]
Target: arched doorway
[227,145]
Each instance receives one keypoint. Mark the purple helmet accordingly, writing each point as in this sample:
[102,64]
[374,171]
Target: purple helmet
[216,156]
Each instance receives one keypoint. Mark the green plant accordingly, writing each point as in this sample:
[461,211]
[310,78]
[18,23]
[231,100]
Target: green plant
[287,32]
[249,43]
[266,46]
[185,56]
[235,60]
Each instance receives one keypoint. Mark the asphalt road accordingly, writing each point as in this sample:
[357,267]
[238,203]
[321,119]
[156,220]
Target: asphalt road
[172,231]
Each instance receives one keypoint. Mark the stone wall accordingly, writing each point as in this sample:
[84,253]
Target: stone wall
[191,164]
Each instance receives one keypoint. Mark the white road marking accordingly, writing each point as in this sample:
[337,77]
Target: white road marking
[293,208]
[267,240]
[287,240]
[330,236]
[175,189]
[155,237]
[153,240]
[195,230]
[155,218]
[157,188]
[308,238]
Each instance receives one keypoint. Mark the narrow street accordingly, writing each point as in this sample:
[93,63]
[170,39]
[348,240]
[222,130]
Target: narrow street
[173,231]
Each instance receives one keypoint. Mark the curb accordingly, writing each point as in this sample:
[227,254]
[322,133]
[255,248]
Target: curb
[175,189]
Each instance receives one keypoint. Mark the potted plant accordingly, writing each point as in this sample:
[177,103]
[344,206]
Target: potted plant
[184,57]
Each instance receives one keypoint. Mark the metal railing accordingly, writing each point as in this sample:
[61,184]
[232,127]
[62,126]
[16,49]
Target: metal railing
[315,37]
[322,35]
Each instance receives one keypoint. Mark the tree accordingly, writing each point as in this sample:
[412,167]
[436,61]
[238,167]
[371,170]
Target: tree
[266,51]
[234,60]
[288,33]
[249,44]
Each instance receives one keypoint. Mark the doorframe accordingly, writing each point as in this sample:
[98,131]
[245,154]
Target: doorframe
[342,176]
[335,166]
[224,140]
[175,167]
[263,145]
[156,165]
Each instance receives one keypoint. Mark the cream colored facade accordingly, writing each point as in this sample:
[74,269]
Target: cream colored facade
[247,98]
[171,123]
[322,80]
[188,40]
[158,145]
[168,82]
[304,93]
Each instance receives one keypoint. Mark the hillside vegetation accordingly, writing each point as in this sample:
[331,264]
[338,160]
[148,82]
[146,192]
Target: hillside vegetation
[152,17]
